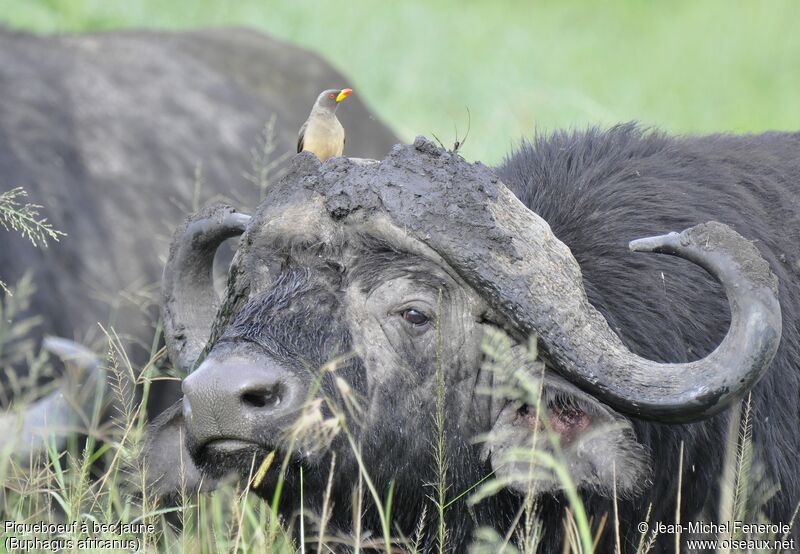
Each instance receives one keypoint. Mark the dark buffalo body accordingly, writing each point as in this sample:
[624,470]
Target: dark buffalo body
[306,287]
[118,135]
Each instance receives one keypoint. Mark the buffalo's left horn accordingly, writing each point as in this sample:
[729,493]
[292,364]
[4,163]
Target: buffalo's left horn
[189,301]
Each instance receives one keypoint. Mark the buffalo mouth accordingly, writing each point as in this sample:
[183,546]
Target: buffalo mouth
[262,468]
[229,445]
[220,456]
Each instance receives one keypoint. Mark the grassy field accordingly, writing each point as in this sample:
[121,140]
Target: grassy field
[96,492]
[686,66]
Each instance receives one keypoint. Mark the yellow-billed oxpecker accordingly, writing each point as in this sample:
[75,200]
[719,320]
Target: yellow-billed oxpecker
[322,133]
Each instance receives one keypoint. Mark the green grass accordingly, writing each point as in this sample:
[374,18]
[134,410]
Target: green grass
[683,65]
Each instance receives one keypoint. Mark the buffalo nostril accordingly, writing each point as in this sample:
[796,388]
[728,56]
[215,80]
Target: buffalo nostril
[263,397]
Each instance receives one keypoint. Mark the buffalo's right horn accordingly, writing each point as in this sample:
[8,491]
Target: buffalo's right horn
[189,301]
[542,292]
[511,257]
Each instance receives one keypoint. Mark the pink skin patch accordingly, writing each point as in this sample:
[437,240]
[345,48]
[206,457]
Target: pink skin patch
[568,423]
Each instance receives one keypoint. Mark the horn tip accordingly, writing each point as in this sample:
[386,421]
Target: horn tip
[239,220]
[654,244]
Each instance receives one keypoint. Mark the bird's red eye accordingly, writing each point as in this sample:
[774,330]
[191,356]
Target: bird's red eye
[331,95]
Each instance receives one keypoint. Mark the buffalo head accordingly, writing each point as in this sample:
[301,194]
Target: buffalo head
[356,307]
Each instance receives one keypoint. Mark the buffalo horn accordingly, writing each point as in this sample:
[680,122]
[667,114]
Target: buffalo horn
[189,302]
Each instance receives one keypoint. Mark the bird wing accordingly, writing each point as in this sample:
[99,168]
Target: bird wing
[300,137]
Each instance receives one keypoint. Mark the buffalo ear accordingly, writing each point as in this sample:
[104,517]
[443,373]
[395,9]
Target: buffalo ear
[169,469]
[596,446]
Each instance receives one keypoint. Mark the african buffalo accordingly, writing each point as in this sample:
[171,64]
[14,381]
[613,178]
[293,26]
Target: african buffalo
[398,270]
[118,135]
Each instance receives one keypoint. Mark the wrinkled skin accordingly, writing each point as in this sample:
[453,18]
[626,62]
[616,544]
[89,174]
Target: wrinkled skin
[315,291]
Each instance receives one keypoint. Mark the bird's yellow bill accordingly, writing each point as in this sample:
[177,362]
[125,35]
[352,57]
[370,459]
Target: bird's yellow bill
[344,93]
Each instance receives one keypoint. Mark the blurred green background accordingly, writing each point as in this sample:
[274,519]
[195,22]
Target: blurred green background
[685,66]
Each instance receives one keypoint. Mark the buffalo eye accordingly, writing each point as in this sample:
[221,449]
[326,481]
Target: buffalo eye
[415,317]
